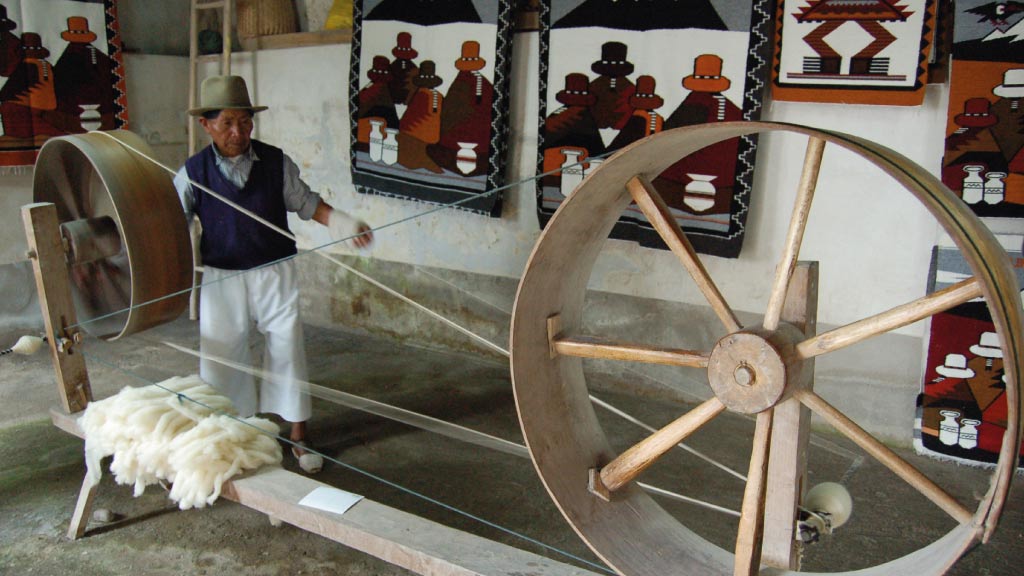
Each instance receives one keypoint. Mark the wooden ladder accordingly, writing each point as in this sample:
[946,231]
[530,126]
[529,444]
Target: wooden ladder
[226,7]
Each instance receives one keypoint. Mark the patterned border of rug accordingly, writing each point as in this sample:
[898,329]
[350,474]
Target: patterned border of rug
[60,74]
[605,82]
[429,100]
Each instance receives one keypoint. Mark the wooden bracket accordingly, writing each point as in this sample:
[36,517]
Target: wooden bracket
[48,261]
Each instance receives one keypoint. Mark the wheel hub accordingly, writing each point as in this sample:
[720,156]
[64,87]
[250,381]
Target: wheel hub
[748,371]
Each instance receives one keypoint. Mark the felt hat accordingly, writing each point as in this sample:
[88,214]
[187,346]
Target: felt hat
[577,91]
[470,61]
[78,30]
[426,78]
[988,346]
[977,114]
[644,98]
[5,22]
[613,60]
[381,69]
[224,93]
[403,49]
[1013,84]
[707,75]
[955,366]
[32,46]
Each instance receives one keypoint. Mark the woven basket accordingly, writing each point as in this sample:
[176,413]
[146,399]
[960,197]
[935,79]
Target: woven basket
[265,18]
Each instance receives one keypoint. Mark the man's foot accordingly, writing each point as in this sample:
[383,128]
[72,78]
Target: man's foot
[310,462]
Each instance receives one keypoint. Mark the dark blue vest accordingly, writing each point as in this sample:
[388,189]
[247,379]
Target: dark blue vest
[232,240]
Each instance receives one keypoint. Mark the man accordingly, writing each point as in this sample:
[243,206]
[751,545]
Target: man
[264,180]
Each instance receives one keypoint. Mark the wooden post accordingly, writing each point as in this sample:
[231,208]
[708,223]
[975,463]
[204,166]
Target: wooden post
[47,255]
[787,467]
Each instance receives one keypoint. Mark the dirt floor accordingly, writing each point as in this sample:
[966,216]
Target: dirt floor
[41,469]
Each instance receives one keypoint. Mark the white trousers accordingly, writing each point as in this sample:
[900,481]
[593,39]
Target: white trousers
[230,303]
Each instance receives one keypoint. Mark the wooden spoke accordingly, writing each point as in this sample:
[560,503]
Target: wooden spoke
[636,459]
[590,347]
[659,215]
[889,320]
[795,236]
[748,540]
[883,454]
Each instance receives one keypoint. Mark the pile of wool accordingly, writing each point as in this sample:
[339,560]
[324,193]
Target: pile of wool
[181,431]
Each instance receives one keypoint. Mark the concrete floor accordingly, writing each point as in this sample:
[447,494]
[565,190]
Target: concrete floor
[41,469]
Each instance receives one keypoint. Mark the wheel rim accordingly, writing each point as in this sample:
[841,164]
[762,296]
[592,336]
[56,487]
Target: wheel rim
[90,177]
[631,532]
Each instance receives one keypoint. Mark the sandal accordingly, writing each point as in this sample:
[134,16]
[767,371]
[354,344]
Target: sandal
[310,462]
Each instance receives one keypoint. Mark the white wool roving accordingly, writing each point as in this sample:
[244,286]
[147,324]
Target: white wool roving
[157,435]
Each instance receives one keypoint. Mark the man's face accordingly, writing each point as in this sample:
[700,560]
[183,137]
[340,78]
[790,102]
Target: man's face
[230,131]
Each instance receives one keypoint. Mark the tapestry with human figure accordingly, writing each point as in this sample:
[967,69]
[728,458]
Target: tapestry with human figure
[865,52]
[962,409]
[61,72]
[983,160]
[606,81]
[429,100]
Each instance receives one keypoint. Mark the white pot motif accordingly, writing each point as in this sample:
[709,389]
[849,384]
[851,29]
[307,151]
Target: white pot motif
[699,194]
[389,154]
[465,158]
[572,172]
[90,117]
[376,140]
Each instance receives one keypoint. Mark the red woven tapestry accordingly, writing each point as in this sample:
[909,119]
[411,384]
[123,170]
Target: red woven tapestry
[865,52]
[61,73]
[962,408]
[984,153]
[607,80]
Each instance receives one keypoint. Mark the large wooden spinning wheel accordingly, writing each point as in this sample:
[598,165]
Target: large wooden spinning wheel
[764,370]
[127,244]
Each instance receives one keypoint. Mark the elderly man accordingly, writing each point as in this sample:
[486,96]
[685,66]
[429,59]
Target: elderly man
[249,275]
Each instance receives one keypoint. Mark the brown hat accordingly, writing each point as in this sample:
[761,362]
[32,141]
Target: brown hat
[5,22]
[977,114]
[577,91]
[32,45]
[224,93]
[613,60]
[404,50]
[381,69]
[78,31]
[707,75]
[470,60]
[644,98]
[426,77]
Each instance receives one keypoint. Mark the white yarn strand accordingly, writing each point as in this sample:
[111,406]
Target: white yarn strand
[424,422]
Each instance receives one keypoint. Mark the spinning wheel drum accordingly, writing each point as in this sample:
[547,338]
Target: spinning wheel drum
[123,229]
[752,370]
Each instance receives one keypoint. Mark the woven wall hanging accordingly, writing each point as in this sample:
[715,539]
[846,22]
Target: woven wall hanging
[606,82]
[984,153]
[61,73]
[429,100]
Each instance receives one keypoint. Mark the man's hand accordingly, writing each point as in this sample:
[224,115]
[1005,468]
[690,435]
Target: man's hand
[342,226]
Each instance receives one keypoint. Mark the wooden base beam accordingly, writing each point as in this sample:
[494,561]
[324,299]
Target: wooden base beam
[400,538]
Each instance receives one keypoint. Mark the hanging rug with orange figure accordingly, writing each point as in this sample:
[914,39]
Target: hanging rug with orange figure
[61,72]
[607,81]
[429,100]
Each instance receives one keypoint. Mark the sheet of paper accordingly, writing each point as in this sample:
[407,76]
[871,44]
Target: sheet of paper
[330,499]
